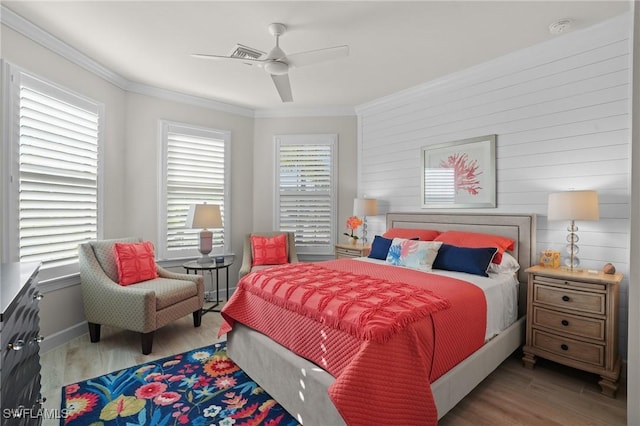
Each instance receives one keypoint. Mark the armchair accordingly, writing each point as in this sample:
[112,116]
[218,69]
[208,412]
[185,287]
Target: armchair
[143,307]
[247,252]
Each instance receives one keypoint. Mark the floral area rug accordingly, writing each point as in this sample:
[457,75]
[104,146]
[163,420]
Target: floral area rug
[199,387]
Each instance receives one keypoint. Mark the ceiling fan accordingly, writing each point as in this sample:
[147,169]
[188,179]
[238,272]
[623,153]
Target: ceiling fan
[277,63]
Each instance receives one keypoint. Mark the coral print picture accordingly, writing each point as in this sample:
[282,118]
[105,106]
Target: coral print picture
[460,174]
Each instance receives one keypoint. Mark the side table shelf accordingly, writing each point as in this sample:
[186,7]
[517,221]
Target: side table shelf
[211,267]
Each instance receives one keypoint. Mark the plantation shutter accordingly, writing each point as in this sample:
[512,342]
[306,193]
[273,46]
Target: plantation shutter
[306,184]
[58,173]
[196,173]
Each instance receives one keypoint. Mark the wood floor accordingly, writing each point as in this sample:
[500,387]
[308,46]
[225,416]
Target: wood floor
[550,394]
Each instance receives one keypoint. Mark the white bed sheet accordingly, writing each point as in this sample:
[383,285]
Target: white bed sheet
[500,291]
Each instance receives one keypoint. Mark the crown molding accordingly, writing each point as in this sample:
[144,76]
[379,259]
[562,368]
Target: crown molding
[614,28]
[305,112]
[38,35]
[170,95]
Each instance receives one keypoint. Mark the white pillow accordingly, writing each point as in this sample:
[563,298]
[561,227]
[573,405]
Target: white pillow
[413,254]
[508,265]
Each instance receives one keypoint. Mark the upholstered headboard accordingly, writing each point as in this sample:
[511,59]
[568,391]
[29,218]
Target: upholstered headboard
[519,227]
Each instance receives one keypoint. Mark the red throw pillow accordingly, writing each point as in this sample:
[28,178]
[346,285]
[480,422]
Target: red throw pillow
[136,262]
[477,240]
[269,250]
[409,233]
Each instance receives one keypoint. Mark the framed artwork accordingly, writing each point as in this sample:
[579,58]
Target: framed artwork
[460,174]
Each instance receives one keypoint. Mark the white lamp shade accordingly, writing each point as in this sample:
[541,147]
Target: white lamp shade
[365,207]
[573,205]
[203,216]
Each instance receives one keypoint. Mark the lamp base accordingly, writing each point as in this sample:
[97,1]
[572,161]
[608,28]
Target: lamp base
[206,238]
[205,259]
[572,261]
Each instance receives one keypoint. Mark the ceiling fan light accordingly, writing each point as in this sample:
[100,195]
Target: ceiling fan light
[276,67]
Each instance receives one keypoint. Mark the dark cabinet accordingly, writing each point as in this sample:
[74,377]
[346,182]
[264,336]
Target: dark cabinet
[20,396]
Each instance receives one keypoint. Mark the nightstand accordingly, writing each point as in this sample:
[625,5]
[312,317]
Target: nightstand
[351,250]
[572,319]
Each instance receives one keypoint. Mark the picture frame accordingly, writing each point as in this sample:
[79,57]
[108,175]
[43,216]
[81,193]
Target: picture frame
[460,174]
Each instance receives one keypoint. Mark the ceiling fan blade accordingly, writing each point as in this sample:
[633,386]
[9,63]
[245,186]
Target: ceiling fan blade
[283,86]
[245,60]
[315,56]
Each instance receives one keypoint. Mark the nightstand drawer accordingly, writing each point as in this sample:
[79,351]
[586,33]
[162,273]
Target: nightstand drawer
[589,353]
[563,298]
[569,324]
[350,252]
[573,284]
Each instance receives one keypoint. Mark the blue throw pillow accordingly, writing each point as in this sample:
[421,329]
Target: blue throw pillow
[464,259]
[380,247]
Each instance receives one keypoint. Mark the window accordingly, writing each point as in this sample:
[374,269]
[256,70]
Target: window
[305,201]
[52,171]
[195,165]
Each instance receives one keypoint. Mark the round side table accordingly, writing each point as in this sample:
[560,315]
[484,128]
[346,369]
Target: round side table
[210,267]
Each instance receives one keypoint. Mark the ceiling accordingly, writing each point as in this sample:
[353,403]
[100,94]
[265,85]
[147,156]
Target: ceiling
[393,45]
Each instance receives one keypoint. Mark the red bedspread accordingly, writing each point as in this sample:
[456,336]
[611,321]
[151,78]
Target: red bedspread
[382,371]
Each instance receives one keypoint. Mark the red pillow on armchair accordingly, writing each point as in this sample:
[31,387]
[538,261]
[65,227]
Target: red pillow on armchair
[269,250]
[136,262]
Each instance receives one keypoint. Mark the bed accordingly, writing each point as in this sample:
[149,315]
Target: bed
[301,385]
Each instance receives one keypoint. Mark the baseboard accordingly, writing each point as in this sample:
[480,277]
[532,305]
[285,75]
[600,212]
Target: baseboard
[63,336]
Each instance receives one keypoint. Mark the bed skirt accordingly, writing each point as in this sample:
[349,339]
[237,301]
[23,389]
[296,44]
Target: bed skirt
[301,386]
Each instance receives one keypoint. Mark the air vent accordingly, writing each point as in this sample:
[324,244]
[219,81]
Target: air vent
[243,52]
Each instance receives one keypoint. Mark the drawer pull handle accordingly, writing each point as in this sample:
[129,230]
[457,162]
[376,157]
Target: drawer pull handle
[565,322]
[38,296]
[564,347]
[17,345]
[566,298]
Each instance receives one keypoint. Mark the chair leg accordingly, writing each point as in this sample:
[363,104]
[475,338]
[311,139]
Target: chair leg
[94,332]
[147,342]
[197,318]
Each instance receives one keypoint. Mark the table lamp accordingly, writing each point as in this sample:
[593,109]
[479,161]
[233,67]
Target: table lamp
[204,216]
[365,207]
[573,205]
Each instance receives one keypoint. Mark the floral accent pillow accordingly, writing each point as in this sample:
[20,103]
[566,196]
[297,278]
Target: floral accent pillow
[413,254]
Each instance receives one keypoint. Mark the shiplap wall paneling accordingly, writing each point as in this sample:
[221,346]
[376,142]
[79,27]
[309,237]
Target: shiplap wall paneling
[560,111]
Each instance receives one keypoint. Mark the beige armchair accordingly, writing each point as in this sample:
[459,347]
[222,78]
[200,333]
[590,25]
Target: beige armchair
[143,307]
[247,253]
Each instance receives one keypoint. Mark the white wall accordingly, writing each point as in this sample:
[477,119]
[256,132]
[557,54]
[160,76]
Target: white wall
[141,163]
[561,114]
[60,310]
[130,179]
[131,150]
[23,52]
[264,162]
